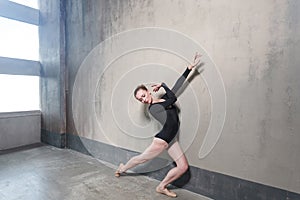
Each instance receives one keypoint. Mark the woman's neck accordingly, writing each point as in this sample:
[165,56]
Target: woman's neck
[157,100]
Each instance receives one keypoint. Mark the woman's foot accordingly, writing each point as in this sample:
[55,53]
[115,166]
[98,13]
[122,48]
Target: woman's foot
[165,191]
[118,172]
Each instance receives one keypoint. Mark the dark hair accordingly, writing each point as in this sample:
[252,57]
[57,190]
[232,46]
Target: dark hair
[140,87]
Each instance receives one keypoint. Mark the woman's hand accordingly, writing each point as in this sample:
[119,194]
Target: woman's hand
[196,61]
[156,87]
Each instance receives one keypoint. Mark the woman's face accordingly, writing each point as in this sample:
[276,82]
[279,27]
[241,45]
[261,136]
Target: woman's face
[144,96]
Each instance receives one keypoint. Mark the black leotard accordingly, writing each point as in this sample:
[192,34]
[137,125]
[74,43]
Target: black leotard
[166,112]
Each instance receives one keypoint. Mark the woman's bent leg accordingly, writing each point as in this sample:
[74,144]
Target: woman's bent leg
[157,146]
[178,156]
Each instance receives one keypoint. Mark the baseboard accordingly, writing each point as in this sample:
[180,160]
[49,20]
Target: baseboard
[54,139]
[21,148]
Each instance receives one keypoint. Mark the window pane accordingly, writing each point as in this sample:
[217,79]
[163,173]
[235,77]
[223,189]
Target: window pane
[18,39]
[29,3]
[19,93]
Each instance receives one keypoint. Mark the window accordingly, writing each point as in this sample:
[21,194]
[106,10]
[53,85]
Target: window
[18,39]
[19,93]
[29,3]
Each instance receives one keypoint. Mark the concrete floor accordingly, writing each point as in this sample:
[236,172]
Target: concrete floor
[46,172]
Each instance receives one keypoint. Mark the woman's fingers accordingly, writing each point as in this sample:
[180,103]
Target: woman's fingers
[156,87]
[197,58]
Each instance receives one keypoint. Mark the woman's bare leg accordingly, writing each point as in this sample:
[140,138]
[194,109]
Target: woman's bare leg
[178,156]
[157,146]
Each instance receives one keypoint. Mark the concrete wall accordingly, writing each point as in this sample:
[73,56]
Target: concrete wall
[52,59]
[19,129]
[253,44]
[250,47]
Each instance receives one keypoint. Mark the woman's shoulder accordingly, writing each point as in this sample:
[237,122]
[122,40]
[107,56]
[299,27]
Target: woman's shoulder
[155,106]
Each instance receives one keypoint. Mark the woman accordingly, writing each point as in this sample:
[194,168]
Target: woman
[164,110]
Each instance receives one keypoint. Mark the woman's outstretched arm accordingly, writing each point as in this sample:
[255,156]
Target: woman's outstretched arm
[185,74]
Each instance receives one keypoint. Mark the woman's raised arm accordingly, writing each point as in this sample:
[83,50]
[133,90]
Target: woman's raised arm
[185,74]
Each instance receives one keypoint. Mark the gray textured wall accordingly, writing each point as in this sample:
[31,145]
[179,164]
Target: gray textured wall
[52,59]
[19,129]
[255,47]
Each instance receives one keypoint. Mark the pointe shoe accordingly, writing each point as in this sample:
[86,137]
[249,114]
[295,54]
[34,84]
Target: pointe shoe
[167,192]
[118,172]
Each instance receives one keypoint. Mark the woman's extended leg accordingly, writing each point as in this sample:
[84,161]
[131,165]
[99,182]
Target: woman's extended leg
[156,147]
[178,156]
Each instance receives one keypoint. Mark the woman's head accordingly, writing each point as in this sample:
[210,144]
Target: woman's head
[142,94]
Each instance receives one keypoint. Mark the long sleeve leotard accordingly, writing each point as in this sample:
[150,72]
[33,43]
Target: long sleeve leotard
[166,112]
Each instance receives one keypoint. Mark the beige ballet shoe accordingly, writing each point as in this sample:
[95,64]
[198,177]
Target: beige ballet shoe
[167,192]
[118,172]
